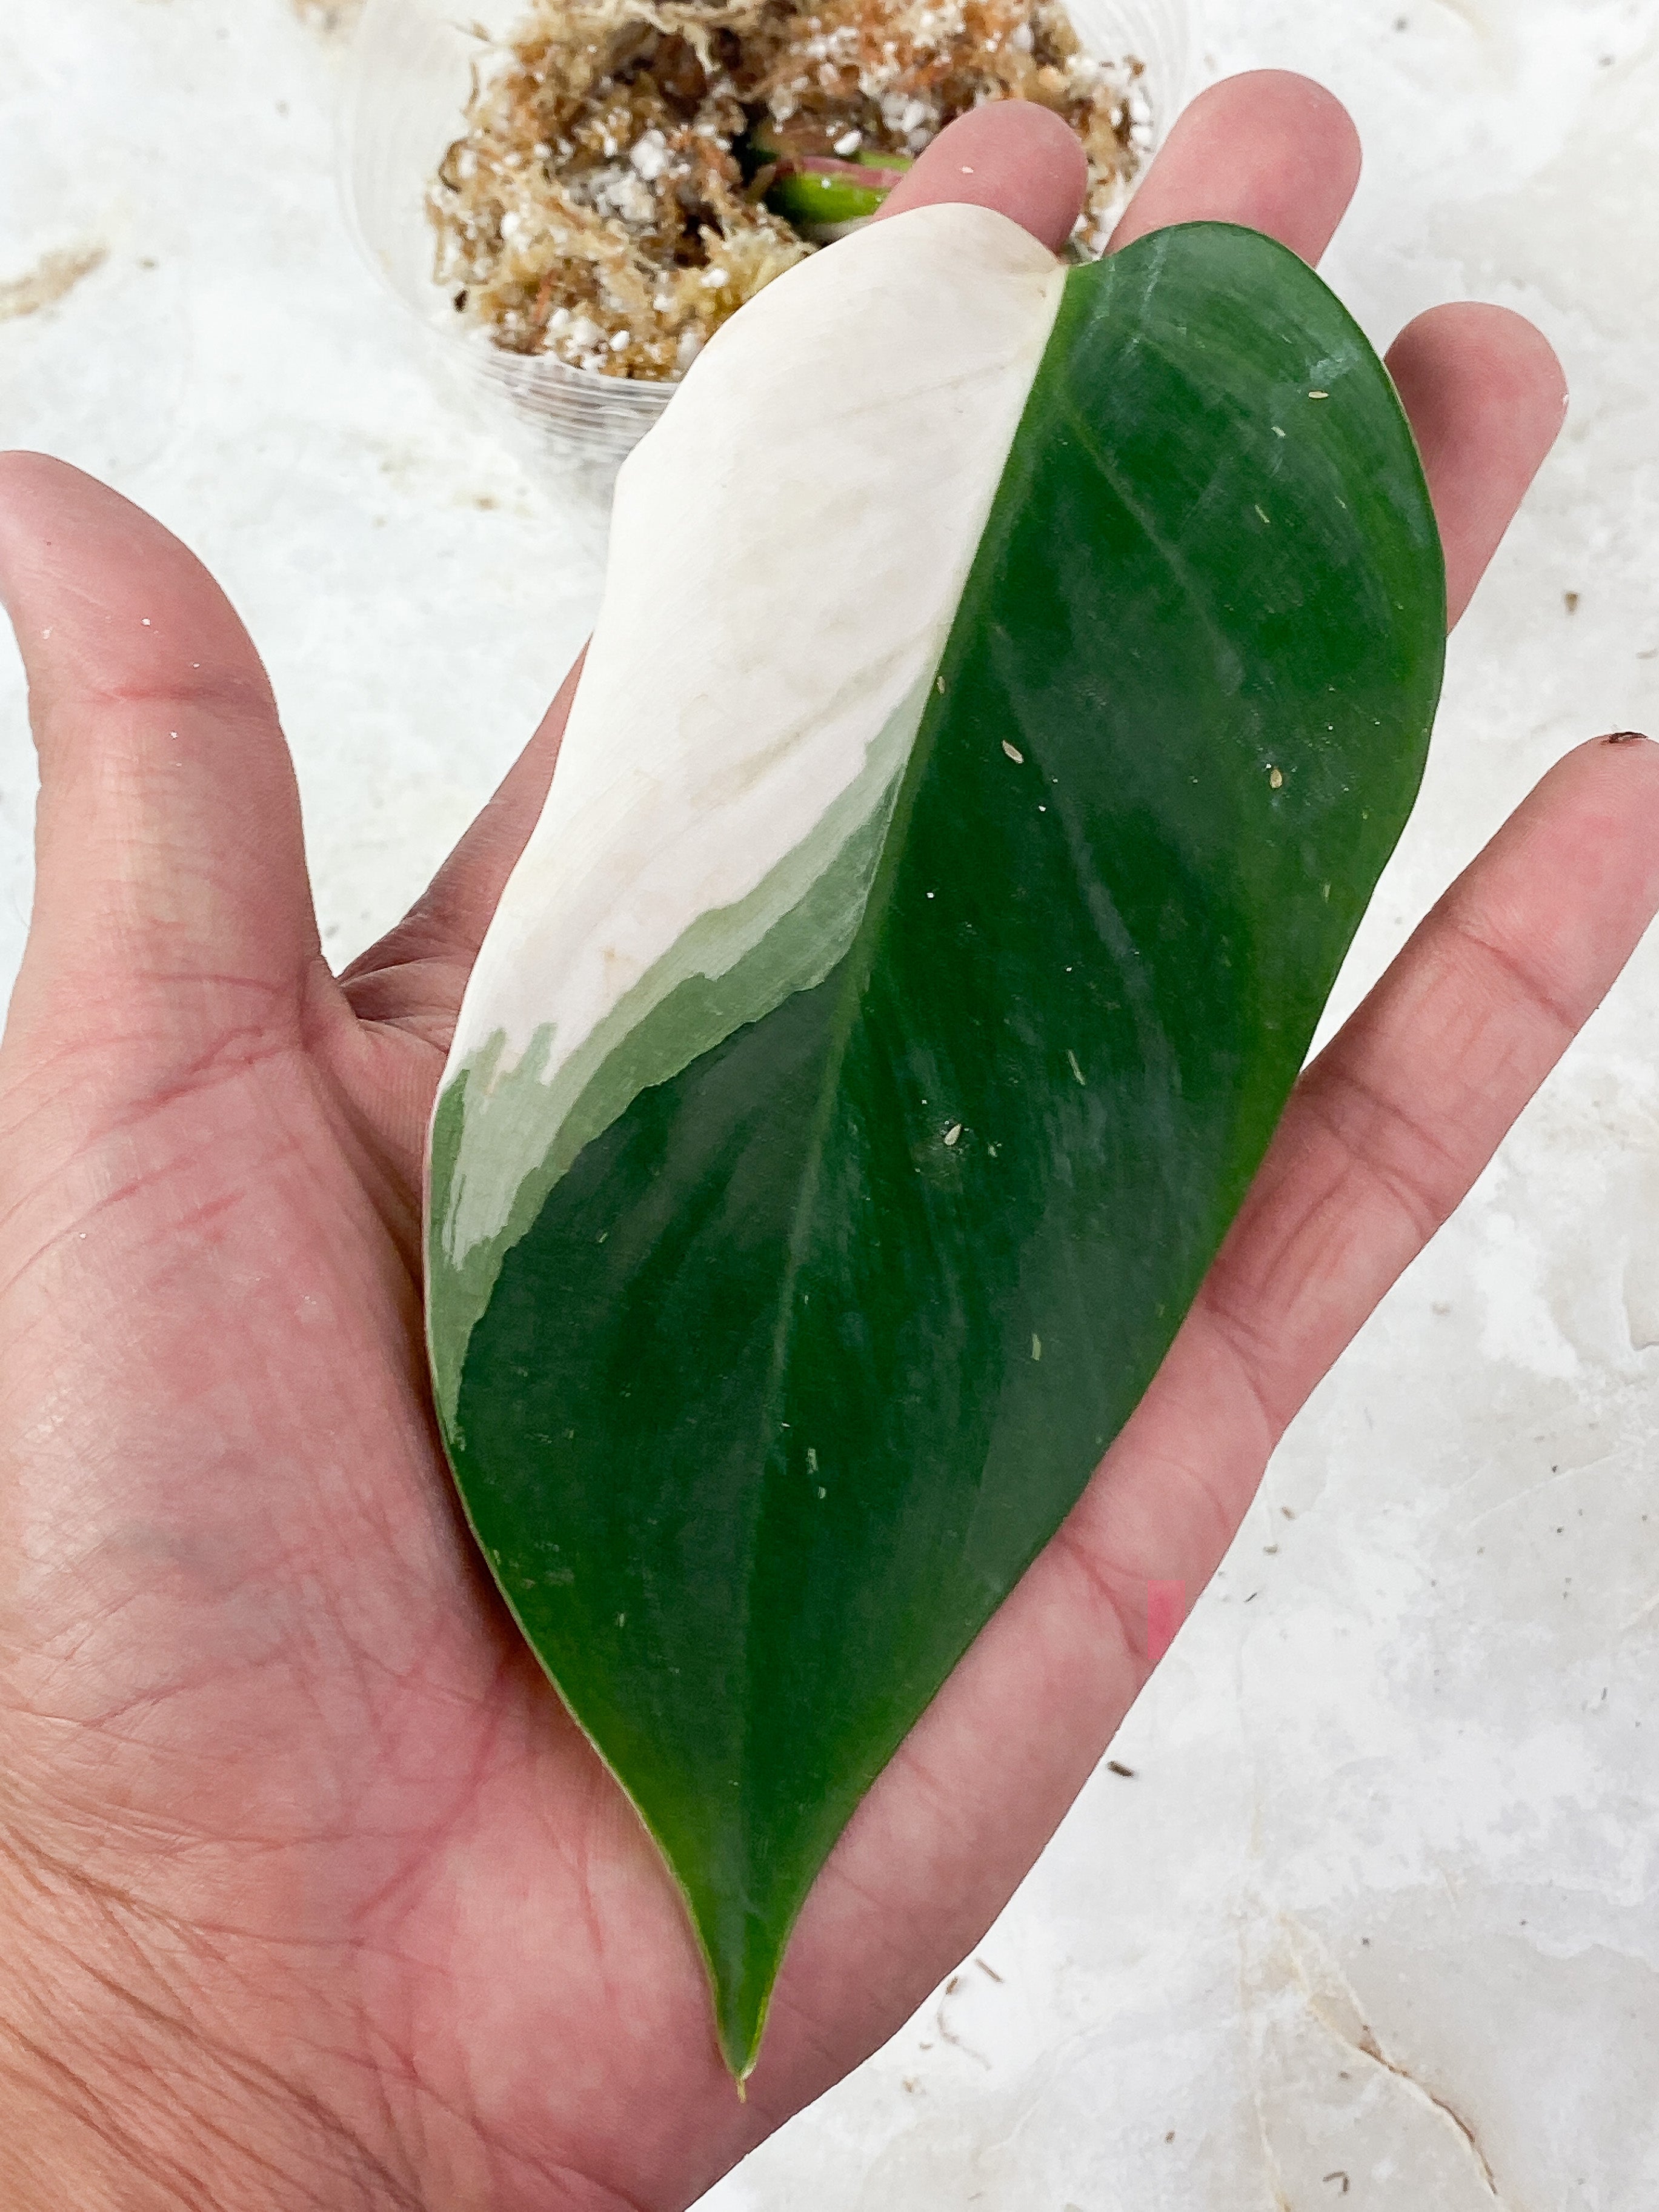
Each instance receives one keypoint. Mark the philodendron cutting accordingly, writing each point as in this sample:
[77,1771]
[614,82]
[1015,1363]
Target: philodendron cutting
[1010,684]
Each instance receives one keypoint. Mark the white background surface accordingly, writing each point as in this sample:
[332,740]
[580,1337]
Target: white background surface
[1382,1900]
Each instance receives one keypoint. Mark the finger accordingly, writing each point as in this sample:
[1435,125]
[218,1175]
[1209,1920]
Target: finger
[1272,151]
[1487,397]
[414,978]
[169,862]
[1384,1135]
[1014,156]
[1391,1126]
[1484,391]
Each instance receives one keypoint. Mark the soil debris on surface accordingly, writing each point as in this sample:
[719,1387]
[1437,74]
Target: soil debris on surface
[51,279]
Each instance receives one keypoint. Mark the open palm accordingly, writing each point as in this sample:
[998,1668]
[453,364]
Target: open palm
[310,1894]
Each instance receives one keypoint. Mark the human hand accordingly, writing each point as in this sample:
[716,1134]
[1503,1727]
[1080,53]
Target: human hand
[310,1893]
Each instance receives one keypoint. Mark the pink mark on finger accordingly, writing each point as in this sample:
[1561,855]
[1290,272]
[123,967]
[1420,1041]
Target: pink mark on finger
[1166,1610]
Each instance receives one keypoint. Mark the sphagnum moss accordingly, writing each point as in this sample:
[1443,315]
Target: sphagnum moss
[607,202]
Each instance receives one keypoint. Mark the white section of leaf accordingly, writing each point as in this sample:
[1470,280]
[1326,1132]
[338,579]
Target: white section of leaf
[789,547]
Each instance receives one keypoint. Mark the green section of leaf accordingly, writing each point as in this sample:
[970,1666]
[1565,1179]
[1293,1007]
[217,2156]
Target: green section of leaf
[734,964]
[756,1430]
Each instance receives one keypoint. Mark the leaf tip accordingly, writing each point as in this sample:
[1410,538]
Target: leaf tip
[742,2023]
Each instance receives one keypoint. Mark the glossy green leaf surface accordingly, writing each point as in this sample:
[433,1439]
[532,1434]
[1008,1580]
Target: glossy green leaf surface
[814,198]
[807,1351]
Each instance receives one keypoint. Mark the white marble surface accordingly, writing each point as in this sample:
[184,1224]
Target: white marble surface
[1382,1900]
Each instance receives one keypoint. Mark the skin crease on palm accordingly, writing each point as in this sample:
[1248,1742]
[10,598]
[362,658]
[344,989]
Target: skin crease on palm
[310,1895]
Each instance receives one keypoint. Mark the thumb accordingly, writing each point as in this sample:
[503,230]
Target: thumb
[172,907]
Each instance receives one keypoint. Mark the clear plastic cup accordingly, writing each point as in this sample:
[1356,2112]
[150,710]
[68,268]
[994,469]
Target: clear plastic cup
[404,104]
